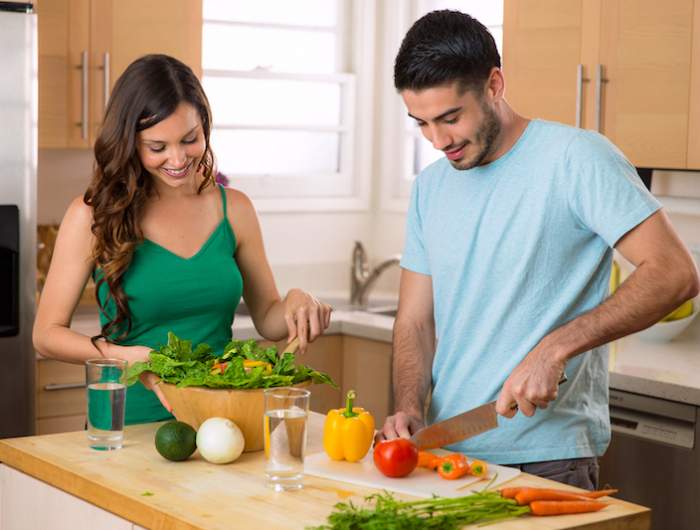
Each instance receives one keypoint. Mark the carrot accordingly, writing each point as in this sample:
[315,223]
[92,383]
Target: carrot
[510,493]
[597,494]
[428,460]
[562,507]
[546,494]
[453,466]
[478,468]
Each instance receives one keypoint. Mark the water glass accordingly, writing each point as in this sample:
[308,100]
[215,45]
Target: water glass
[286,422]
[106,398]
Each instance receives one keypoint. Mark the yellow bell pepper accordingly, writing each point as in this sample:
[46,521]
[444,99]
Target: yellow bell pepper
[348,432]
[252,364]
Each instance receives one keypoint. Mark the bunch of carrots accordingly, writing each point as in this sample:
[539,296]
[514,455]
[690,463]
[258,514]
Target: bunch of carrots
[547,501]
[541,501]
[452,466]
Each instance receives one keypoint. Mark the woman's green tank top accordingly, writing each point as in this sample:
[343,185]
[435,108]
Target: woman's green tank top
[194,298]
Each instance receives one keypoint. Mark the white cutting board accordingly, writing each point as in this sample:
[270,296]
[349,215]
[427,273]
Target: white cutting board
[421,483]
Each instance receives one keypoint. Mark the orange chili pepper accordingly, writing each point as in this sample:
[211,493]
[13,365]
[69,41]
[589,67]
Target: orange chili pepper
[434,463]
[478,468]
[428,460]
[453,466]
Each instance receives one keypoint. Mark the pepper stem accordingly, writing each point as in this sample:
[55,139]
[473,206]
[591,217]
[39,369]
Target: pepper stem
[348,405]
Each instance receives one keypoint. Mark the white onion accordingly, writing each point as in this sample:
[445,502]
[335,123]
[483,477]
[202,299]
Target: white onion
[220,441]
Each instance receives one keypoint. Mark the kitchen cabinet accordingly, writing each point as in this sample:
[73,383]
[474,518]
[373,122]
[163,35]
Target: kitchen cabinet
[84,45]
[58,509]
[354,363]
[367,370]
[61,397]
[324,355]
[639,65]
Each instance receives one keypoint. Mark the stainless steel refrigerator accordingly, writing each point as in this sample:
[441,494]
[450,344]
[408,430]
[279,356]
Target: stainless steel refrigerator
[18,161]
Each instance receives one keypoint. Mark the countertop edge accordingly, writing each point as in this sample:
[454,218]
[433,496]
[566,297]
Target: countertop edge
[657,389]
[88,490]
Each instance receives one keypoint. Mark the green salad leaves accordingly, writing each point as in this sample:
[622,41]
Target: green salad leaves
[177,363]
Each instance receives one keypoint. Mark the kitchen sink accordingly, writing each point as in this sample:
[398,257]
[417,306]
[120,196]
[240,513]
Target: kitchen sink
[386,311]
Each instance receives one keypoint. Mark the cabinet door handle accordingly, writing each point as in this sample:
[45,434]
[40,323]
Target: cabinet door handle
[580,80]
[84,101]
[49,388]
[599,96]
[105,78]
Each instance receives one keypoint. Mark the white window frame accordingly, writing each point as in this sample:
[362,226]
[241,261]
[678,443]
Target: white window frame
[348,190]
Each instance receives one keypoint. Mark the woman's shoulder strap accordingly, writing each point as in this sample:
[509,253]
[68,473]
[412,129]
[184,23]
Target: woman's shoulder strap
[223,197]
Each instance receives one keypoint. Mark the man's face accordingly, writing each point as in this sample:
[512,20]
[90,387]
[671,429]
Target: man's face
[463,126]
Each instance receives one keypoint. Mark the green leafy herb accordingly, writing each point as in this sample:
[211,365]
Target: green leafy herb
[382,511]
[179,364]
[146,494]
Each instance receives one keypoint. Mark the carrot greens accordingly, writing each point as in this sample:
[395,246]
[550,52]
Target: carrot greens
[382,511]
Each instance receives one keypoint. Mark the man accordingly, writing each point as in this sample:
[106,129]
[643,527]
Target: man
[507,262]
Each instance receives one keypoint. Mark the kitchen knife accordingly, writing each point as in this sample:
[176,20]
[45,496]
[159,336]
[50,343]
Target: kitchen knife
[460,427]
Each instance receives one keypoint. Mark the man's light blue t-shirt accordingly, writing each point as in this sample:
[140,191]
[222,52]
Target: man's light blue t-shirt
[517,248]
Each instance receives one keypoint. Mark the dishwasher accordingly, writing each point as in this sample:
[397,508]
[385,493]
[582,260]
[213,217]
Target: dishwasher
[653,459]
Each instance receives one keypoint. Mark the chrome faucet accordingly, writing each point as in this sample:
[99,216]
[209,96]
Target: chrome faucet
[361,279]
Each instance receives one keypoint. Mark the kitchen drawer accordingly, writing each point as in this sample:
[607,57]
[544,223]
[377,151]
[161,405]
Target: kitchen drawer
[61,424]
[60,389]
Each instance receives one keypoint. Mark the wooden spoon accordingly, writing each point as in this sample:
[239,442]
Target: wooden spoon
[292,347]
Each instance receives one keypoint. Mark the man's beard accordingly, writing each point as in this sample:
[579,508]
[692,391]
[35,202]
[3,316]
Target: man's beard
[486,136]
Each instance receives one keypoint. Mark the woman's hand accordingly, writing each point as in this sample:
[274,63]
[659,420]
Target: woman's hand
[149,380]
[305,316]
[134,354]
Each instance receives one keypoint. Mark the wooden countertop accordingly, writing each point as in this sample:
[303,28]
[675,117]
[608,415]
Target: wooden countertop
[197,495]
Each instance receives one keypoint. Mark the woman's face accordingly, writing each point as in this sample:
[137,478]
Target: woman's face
[172,149]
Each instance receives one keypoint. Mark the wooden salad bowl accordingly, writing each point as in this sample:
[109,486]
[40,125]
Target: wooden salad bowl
[245,408]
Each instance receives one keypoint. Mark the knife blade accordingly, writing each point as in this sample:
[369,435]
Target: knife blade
[461,427]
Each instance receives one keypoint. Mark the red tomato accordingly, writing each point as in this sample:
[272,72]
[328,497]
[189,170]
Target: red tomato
[396,458]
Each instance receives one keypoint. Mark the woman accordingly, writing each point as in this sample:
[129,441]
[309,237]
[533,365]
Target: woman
[169,249]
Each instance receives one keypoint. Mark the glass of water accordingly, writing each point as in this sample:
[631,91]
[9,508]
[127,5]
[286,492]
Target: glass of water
[106,397]
[286,421]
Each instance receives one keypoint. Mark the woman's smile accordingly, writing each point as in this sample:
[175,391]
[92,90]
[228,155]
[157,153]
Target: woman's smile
[178,172]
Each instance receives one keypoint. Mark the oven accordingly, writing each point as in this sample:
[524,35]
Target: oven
[653,458]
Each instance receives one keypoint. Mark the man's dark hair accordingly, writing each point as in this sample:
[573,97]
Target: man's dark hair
[443,47]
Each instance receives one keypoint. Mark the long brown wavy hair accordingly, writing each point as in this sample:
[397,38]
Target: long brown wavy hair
[148,91]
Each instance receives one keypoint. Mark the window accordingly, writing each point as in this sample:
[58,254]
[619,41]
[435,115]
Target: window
[282,80]
[415,152]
